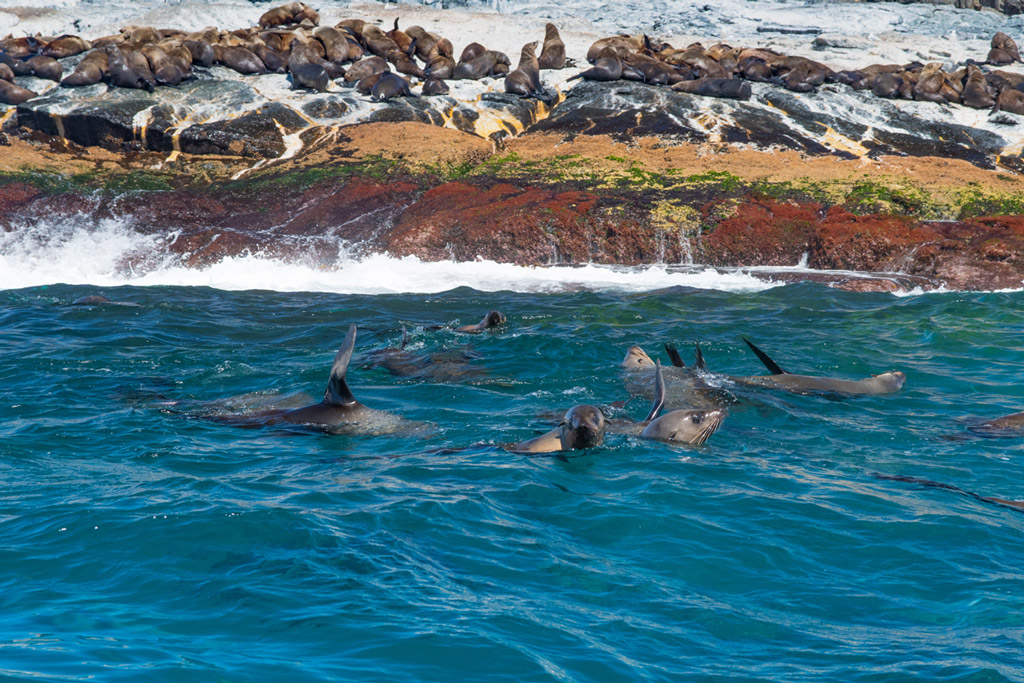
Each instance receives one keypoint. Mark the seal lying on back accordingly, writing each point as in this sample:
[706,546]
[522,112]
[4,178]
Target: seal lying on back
[885,383]
[582,427]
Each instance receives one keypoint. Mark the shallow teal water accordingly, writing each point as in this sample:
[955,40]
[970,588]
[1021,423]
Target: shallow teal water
[141,541]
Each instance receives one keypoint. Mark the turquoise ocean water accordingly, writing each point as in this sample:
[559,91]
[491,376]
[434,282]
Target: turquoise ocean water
[142,540]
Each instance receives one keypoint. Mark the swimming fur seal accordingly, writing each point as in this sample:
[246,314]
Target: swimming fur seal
[491,320]
[692,427]
[885,383]
[1018,504]
[583,426]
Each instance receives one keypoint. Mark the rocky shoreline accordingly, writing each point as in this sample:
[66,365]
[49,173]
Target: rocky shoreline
[412,196]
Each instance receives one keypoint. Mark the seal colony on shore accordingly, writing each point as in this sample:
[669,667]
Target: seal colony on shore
[289,39]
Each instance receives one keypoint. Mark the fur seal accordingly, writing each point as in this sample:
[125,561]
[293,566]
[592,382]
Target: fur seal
[732,88]
[19,48]
[928,87]
[99,300]
[637,359]
[691,426]
[367,66]
[240,59]
[202,52]
[1004,50]
[11,93]
[339,411]
[65,46]
[275,62]
[123,75]
[525,80]
[92,69]
[492,320]
[621,44]
[390,85]
[607,67]
[17,66]
[337,47]
[484,65]
[471,52]
[583,426]
[165,71]
[976,93]
[45,67]
[305,69]
[552,54]
[1007,425]
[1010,100]
[5,73]
[885,383]
[435,86]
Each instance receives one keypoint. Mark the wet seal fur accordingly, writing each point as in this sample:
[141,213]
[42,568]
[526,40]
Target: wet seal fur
[885,383]
[492,320]
[583,426]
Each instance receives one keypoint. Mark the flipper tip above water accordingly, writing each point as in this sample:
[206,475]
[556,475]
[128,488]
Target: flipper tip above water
[338,392]
[772,366]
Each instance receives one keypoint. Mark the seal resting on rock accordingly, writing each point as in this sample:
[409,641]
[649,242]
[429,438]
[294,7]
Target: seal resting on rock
[525,80]
[607,67]
[731,88]
[390,85]
[92,69]
[1004,50]
[11,93]
[552,54]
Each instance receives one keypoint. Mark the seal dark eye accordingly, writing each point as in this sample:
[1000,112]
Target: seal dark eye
[697,419]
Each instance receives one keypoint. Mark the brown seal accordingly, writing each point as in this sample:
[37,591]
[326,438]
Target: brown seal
[91,70]
[439,62]
[11,93]
[471,52]
[240,59]
[19,48]
[367,66]
[6,74]
[123,74]
[306,68]
[621,44]
[485,64]
[202,52]
[365,85]
[402,39]
[435,86]
[928,87]
[338,48]
[390,85]
[976,93]
[165,71]
[45,67]
[607,67]
[552,54]
[65,46]
[730,88]
[1004,50]
[275,61]
[525,80]
[1010,100]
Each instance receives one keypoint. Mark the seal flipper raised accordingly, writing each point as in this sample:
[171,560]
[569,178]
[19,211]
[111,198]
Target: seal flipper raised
[338,393]
[659,391]
[772,366]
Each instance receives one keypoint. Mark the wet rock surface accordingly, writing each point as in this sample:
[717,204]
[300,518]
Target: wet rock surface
[543,224]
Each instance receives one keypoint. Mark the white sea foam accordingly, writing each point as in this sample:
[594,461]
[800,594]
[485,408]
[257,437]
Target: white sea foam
[111,253]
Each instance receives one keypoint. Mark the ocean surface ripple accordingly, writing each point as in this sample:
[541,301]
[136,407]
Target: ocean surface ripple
[143,540]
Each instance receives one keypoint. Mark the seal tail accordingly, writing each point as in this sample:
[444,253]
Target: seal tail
[673,355]
[772,366]
[338,392]
[659,393]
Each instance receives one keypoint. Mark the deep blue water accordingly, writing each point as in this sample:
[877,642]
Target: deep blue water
[140,540]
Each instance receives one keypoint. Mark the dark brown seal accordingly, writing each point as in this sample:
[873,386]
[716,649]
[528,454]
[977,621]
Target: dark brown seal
[367,66]
[390,85]
[730,88]
[91,70]
[976,93]
[11,93]
[607,67]
[65,46]
[552,54]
